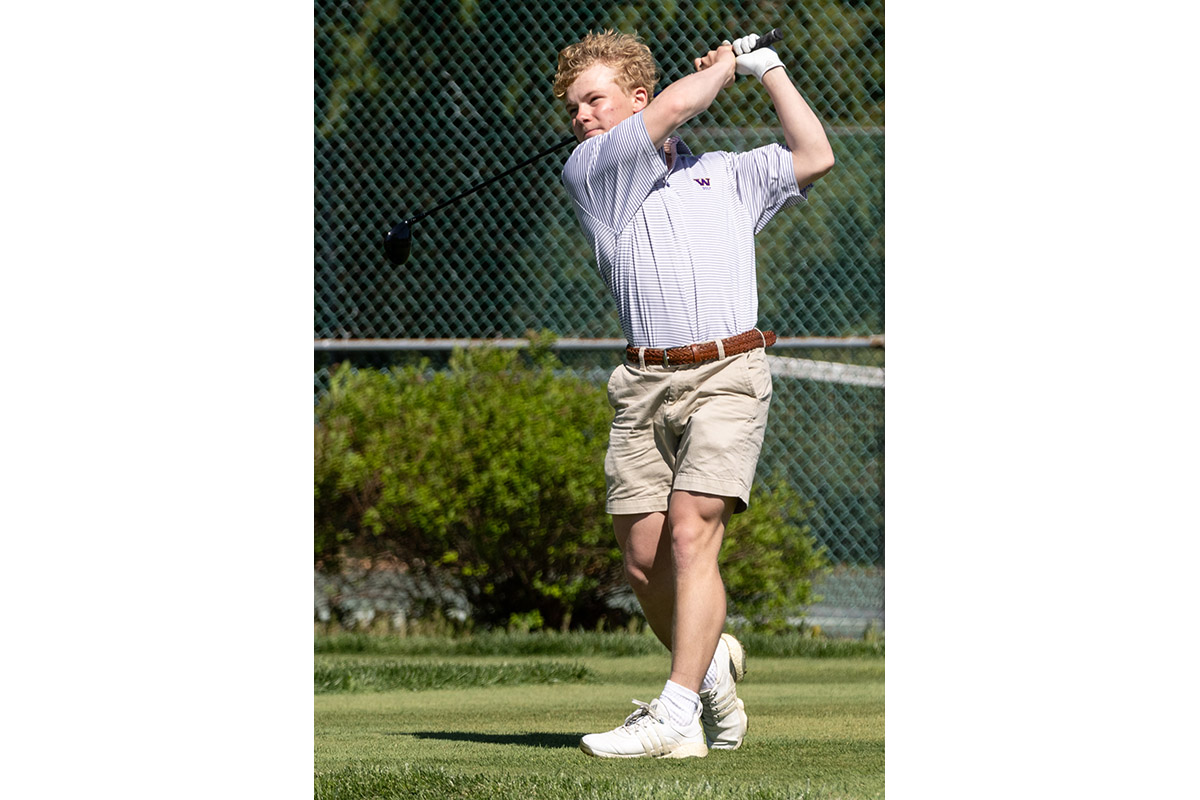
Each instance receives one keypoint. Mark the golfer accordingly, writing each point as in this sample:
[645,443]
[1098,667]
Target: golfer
[673,233]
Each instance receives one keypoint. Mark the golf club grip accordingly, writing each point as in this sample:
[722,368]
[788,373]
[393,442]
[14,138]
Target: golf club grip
[769,38]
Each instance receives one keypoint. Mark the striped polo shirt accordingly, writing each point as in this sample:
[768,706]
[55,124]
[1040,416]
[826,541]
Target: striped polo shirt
[675,245]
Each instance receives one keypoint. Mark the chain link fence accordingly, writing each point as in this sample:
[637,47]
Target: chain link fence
[415,102]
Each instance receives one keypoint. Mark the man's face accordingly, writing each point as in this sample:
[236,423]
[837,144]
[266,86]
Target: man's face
[596,103]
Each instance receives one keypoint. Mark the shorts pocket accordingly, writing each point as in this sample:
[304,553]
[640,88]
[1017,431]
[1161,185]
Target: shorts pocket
[758,374]
[615,381]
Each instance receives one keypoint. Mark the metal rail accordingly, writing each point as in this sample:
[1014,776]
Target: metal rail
[796,342]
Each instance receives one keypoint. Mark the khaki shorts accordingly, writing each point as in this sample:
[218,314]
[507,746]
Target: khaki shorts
[697,428]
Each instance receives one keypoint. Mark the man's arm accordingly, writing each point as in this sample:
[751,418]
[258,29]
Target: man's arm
[691,94]
[812,155]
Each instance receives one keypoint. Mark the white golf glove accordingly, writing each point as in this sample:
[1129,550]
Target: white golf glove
[754,63]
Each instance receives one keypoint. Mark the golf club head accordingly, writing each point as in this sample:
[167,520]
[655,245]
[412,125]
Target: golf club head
[398,243]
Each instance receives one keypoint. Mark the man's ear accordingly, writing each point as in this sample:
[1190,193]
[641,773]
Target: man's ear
[641,98]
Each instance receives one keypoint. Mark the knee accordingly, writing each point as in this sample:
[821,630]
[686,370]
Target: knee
[694,546]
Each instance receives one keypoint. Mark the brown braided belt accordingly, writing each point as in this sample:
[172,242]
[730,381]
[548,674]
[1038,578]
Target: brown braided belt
[706,351]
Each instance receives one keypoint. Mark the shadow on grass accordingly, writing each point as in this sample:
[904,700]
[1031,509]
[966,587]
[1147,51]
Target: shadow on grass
[522,739]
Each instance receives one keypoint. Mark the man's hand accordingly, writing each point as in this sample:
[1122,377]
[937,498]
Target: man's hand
[721,58]
[755,63]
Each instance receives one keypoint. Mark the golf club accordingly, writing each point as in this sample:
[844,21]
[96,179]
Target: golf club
[398,242]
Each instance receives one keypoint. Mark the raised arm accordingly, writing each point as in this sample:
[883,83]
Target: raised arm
[812,155]
[691,94]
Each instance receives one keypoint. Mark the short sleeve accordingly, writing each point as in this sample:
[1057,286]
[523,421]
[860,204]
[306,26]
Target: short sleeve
[766,182]
[608,176]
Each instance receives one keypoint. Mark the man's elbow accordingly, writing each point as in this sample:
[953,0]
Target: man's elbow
[815,166]
[825,164]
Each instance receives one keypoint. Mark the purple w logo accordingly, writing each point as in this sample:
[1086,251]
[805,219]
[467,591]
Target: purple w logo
[702,181]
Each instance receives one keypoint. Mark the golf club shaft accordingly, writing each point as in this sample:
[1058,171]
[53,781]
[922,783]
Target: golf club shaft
[495,178]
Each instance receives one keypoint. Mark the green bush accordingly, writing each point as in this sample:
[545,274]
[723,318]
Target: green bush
[768,558]
[491,472]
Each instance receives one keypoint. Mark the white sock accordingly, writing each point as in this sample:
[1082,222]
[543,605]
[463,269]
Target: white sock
[681,703]
[710,677]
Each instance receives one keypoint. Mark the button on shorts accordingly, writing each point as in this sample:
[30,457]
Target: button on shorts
[696,428]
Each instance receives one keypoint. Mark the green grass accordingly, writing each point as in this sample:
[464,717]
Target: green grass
[582,644]
[359,676]
[438,783]
[816,731]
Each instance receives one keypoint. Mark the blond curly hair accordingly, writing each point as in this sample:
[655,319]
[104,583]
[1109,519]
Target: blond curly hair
[623,51]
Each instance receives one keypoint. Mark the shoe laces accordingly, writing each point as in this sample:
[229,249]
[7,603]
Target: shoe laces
[643,715]
[710,713]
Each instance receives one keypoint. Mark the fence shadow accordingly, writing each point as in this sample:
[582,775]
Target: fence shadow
[523,739]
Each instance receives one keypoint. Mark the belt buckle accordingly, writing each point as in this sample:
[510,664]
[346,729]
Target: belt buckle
[666,357]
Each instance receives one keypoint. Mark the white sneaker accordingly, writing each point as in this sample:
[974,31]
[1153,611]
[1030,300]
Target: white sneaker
[648,733]
[721,710]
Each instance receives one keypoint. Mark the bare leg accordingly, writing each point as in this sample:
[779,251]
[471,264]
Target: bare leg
[697,524]
[647,551]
